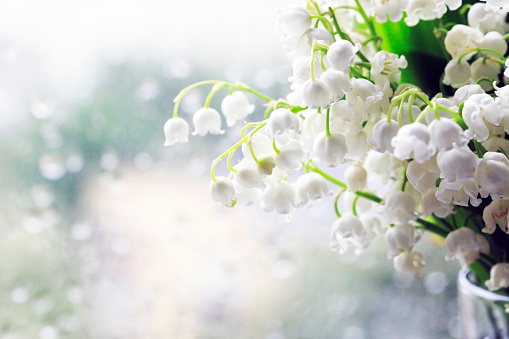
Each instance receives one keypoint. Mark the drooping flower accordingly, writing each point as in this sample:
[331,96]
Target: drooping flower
[465,245]
[386,67]
[207,120]
[223,191]
[293,21]
[280,198]
[461,39]
[444,133]
[236,107]
[493,176]
[341,54]
[499,276]
[457,74]
[291,156]
[412,141]
[356,178]
[329,150]
[496,213]
[410,262]
[176,130]
[311,187]
[349,230]
[423,177]
[282,120]
[314,94]
[480,109]
[399,207]
[337,82]
[457,163]
[459,192]
[400,238]
[383,133]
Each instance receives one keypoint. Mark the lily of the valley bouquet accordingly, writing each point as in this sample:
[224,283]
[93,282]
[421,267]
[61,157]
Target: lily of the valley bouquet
[411,94]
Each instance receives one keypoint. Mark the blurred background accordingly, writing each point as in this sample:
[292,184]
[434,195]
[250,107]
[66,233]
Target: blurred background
[105,233]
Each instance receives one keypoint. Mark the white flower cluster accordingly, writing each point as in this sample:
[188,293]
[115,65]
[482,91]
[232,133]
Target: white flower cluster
[434,157]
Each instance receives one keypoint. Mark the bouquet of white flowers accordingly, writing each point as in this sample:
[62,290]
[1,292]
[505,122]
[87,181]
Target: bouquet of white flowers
[411,94]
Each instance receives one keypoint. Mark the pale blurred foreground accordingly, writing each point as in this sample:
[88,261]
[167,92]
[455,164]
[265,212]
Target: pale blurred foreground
[106,234]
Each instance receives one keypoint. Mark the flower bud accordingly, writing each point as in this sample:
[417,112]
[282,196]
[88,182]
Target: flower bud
[223,191]
[355,178]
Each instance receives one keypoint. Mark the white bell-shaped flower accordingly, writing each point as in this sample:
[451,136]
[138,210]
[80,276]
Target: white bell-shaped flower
[311,187]
[373,224]
[302,72]
[337,82]
[457,74]
[355,178]
[478,110]
[465,245]
[176,130]
[412,141]
[260,143]
[462,38]
[410,262]
[494,41]
[493,176]
[280,198]
[465,92]
[400,238]
[223,191]
[405,118]
[499,276]
[431,205]
[341,54]
[486,21]
[385,67]
[444,132]
[207,120]
[497,5]
[291,156]
[282,120]
[485,69]
[460,192]
[457,163]
[293,21]
[399,208]
[349,230]
[357,145]
[423,177]
[329,150]
[364,91]
[383,132]
[315,94]
[236,107]
[388,9]
[248,175]
[247,196]
[496,214]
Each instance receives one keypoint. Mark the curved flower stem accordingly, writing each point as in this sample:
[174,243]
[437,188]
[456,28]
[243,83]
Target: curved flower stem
[233,148]
[354,205]
[327,123]
[228,162]
[472,50]
[310,165]
[271,106]
[274,146]
[252,124]
[336,200]
[238,85]
[368,21]
[214,90]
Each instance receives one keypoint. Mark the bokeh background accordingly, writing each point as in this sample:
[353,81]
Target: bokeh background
[105,233]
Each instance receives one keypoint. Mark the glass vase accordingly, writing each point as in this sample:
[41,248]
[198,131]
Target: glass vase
[482,313]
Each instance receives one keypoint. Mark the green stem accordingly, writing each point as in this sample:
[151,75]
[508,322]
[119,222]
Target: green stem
[327,123]
[311,166]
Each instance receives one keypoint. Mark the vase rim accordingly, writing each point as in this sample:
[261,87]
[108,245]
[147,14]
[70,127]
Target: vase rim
[469,287]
